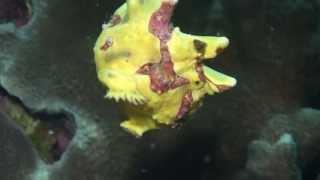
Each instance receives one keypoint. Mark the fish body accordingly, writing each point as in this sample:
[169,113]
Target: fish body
[154,70]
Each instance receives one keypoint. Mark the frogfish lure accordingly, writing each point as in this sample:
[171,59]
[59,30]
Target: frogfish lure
[153,69]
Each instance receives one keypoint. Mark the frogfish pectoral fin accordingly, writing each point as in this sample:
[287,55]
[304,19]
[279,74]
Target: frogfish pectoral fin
[138,126]
[217,81]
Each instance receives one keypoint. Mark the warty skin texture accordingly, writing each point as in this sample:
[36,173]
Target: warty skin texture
[153,69]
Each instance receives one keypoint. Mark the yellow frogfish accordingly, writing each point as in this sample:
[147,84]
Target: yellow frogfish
[153,69]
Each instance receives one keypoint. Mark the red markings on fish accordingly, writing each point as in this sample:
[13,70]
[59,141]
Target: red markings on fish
[161,81]
[162,74]
[185,106]
[199,69]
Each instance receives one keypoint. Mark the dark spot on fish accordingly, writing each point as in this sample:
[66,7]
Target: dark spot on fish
[200,46]
[107,44]
[115,19]
[220,50]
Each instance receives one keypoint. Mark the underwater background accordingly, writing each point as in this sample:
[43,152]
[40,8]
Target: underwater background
[56,125]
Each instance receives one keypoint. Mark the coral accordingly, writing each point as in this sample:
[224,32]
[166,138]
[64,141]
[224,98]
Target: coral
[154,69]
[18,11]
[49,134]
[18,158]
[274,161]
[287,148]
